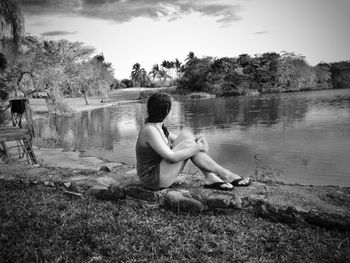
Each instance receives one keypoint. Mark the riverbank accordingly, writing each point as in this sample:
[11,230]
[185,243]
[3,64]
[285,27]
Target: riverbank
[115,98]
[43,224]
[83,209]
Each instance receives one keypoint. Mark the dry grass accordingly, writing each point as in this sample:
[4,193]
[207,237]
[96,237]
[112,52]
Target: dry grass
[41,224]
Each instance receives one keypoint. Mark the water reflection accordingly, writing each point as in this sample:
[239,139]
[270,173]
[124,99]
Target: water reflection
[307,135]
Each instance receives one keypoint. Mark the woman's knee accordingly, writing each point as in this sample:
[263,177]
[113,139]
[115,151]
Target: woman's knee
[185,137]
[187,133]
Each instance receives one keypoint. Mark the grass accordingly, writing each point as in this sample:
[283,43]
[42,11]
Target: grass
[41,224]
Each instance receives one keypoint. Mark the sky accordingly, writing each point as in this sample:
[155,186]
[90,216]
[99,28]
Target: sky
[150,31]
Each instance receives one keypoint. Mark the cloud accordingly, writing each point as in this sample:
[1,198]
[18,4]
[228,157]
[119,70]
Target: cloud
[261,32]
[225,11]
[57,33]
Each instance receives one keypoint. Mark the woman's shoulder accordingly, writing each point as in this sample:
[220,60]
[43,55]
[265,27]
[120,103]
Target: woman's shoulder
[147,131]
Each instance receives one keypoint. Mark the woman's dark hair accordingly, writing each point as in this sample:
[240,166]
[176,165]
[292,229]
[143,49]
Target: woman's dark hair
[158,107]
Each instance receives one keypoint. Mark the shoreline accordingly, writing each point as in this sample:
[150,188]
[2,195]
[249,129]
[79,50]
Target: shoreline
[324,206]
[77,105]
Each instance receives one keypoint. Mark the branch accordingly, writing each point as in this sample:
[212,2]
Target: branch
[20,79]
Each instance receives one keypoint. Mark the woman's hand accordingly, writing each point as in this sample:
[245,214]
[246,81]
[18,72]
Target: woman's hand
[205,145]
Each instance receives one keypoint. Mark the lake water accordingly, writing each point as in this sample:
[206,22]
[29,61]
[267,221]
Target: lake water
[306,135]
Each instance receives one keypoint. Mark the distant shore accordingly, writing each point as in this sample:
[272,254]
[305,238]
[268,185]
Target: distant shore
[77,105]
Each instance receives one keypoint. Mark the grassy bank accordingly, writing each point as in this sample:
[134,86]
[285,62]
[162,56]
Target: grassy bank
[41,224]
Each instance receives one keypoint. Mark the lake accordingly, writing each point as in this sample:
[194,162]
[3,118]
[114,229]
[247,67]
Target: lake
[305,135]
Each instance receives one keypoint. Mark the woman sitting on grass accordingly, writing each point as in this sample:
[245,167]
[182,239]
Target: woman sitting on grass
[161,155]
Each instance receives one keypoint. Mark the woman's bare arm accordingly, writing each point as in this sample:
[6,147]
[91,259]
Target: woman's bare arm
[172,137]
[153,138]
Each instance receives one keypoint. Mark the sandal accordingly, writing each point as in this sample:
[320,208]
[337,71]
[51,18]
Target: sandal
[218,186]
[238,182]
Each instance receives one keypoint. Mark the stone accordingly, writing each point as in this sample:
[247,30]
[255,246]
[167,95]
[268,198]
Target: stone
[132,172]
[86,171]
[105,180]
[223,200]
[73,194]
[67,184]
[104,168]
[111,193]
[181,201]
[37,172]
[111,165]
[137,191]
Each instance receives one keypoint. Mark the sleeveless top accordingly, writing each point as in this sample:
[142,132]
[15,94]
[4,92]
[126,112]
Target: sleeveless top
[147,163]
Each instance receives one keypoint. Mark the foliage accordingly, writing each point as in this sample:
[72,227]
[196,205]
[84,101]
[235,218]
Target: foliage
[58,68]
[116,84]
[195,74]
[11,21]
[139,76]
[340,72]
[268,72]
[127,83]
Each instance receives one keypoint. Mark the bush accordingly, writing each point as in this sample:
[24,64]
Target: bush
[127,83]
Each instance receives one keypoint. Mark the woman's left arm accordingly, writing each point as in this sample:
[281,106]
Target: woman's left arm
[172,137]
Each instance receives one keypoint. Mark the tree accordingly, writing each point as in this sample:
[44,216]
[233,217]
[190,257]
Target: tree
[340,74]
[294,73]
[177,65]
[139,76]
[323,76]
[155,72]
[190,58]
[11,21]
[168,66]
[195,75]
[266,71]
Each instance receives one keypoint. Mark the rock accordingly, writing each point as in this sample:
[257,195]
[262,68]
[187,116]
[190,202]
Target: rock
[50,184]
[37,172]
[95,259]
[223,200]
[132,172]
[73,194]
[67,184]
[33,182]
[105,180]
[86,171]
[111,193]
[181,201]
[328,220]
[138,192]
[111,165]
[104,168]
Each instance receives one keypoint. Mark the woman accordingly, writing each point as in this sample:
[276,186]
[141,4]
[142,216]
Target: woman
[161,155]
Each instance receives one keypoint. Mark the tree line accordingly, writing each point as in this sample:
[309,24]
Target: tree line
[265,73]
[242,75]
[56,68]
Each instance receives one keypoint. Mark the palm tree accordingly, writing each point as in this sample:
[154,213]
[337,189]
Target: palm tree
[154,72]
[164,75]
[138,75]
[11,21]
[168,65]
[190,57]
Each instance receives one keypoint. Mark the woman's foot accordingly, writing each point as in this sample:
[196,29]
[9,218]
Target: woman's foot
[241,182]
[212,181]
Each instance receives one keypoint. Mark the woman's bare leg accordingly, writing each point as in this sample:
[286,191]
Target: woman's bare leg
[204,162]
[170,171]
